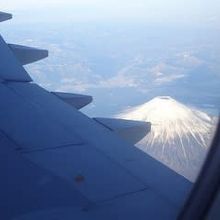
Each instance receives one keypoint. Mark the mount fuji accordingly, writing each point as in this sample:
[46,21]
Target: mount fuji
[180,135]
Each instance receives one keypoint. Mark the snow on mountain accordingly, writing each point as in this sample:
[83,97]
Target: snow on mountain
[180,135]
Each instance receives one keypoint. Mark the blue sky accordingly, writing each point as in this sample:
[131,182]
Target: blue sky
[195,12]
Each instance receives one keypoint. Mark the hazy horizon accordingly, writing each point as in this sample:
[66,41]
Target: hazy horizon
[181,12]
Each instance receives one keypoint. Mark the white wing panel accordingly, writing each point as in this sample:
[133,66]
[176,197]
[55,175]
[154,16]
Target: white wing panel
[28,188]
[29,125]
[51,142]
[144,205]
[91,172]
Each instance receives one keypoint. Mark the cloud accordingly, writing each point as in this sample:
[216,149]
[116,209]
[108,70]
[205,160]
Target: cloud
[119,81]
[187,60]
[74,87]
[168,79]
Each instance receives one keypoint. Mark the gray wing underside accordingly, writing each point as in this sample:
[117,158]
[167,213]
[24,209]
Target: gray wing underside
[57,163]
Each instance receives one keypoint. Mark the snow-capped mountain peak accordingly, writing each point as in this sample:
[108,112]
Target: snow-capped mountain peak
[180,134]
[171,119]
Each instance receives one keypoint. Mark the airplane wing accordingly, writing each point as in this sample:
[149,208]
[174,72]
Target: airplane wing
[57,163]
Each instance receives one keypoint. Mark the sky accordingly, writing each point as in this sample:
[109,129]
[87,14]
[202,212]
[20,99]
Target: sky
[197,12]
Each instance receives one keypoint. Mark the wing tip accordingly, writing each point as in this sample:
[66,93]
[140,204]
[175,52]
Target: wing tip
[27,55]
[76,100]
[5,16]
